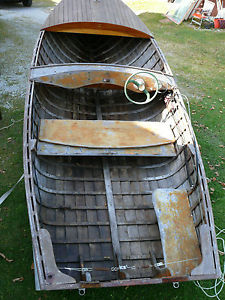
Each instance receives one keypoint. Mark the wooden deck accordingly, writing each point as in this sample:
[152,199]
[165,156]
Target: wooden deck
[108,17]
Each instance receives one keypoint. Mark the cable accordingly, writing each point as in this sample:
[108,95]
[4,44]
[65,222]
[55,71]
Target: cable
[6,195]
[13,123]
[219,281]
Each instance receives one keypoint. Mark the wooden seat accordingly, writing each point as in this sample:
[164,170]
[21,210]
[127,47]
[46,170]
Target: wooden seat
[179,239]
[97,137]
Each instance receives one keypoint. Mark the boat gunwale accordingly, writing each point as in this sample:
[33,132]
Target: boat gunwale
[28,179]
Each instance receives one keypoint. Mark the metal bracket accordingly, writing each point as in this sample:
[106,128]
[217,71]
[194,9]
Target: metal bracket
[126,267]
[33,143]
[176,285]
[81,292]
[83,270]
[160,264]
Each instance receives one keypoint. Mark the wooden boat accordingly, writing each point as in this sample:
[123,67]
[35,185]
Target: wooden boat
[115,185]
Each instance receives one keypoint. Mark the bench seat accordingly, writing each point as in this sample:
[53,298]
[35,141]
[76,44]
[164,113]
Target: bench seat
[102,138]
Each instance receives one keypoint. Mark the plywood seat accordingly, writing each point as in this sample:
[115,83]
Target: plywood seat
[179,239]
[98,137]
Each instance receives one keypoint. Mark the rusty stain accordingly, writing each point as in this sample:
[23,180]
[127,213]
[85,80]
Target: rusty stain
[122,275]
[45,78]
[174,279]
[105,134]
[90,285]
[115,79]
[178,235]
[163,274]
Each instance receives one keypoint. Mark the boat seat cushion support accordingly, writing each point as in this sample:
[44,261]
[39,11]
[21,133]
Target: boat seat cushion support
[97,137]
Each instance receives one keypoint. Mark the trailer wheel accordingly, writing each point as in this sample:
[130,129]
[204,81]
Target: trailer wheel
[27,3]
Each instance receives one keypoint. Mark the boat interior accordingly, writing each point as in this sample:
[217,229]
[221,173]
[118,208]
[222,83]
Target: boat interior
[98,196]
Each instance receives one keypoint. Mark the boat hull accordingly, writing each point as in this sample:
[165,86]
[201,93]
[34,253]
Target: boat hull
[92,215]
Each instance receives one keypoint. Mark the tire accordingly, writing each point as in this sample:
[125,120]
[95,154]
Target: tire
[27,3]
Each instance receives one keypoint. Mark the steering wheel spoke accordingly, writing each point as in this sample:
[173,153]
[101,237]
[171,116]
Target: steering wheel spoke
[141,86]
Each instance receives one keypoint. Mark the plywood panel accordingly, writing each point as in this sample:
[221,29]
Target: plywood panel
[105,134]
[179,240]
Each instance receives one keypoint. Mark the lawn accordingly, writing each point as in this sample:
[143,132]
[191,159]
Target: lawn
[197,60]
[140,6]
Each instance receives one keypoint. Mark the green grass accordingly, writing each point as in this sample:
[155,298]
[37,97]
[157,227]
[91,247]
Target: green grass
[45,3]
[159,6]
[36,3]
[197,61]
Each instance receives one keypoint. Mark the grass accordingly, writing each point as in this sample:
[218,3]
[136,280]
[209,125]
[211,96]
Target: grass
[36,3]
[160,6]
[197,61]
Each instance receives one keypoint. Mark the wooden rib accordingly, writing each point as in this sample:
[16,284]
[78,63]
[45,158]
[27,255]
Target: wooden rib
[160,177]
[125,51]
[114,238]
[87,241]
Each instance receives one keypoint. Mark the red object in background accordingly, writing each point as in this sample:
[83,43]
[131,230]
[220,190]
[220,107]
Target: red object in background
[216,23]
[219,23]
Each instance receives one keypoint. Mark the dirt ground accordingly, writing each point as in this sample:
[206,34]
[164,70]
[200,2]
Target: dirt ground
[19,28]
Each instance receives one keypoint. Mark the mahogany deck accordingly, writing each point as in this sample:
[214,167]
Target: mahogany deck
[109,17]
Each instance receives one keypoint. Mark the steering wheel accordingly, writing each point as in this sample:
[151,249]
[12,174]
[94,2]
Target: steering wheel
[141,87]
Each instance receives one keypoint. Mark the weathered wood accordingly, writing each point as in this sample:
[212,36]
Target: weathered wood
[105,134]
[52,273]
[108,17]
[207,265]
[178,235]
[73,76]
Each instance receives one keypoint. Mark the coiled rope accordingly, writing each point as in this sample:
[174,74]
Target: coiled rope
[218,285]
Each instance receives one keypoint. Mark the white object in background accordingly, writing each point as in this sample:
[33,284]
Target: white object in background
[219,5]
[221,13]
